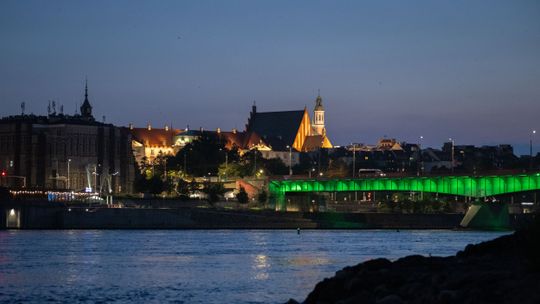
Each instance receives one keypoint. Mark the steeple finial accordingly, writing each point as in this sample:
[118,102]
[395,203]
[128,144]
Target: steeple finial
[86,89]
[86,108]
[318,103]
[318,92]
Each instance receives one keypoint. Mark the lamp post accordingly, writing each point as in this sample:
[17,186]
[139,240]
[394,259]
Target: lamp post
[354,170]
[419,160]
[354,161]
[255,161]
[311,170]
[452,141]
[319,163]
[531,149]
[95,178]
[165,168]
[68,176]
[290,160]
[226,160]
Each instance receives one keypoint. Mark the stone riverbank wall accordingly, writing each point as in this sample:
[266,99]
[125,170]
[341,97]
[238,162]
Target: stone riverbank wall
[38,215]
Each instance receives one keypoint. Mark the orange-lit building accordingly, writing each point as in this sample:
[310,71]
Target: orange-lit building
[148,143]
[284,129]
[271,133]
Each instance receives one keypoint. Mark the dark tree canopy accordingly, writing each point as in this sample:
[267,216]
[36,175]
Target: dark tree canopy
[204,155]
[242,196]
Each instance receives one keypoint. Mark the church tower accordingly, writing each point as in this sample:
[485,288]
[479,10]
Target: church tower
[318,117]
[86,108]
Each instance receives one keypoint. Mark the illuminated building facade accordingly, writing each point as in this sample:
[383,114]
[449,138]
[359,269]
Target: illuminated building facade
[149,143]
[274,134]
[284,129]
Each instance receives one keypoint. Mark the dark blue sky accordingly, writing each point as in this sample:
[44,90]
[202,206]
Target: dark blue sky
[463,69]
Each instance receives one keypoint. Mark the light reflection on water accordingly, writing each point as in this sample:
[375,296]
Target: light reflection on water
[197,266]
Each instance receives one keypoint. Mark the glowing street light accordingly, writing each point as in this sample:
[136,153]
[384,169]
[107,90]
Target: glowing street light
[419,160]
[452,141]
[531,149]
[290,159]
[68,177]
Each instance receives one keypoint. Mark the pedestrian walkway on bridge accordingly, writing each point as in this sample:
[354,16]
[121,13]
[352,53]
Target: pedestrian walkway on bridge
[469,186]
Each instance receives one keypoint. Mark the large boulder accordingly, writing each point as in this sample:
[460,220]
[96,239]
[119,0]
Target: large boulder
[504,270]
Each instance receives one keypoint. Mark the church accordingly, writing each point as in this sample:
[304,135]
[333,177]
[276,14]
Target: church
[271,133]
[283,129]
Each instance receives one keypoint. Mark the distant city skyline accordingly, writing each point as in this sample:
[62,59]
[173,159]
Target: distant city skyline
[460,69]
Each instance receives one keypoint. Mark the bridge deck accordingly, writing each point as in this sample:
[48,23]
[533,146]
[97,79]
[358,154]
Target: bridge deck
[473,186]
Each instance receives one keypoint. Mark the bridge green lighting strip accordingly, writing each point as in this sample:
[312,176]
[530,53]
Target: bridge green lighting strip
[472,186]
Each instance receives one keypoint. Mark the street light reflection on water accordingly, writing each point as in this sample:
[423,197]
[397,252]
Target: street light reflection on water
[260,267]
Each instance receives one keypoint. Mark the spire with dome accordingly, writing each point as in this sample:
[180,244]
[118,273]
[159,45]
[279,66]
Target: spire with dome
[86,108]
[318,102]
[318,116]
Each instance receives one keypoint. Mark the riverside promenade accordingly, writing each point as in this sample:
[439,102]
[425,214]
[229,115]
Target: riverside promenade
[46,215]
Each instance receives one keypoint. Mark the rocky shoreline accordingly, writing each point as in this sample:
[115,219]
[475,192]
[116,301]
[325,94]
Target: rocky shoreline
[504,270]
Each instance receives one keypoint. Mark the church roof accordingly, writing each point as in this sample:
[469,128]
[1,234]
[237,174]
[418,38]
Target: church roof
[313,142]
[242,140]
[278,129]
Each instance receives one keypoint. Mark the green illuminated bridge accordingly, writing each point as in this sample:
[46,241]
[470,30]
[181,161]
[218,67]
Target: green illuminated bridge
[471,186]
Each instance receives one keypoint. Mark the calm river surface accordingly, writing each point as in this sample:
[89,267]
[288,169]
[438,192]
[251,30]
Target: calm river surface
[197,266]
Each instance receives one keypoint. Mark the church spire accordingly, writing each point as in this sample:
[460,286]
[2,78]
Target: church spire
[86,90]
[86,108]
[318,103]
[318,116]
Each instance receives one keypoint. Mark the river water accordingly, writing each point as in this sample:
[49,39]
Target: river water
[197,266]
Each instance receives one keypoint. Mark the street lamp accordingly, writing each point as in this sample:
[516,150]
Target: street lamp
[226,160]
[165,168]
[255,161]
[290,160]
[452,141]
[68,177]
[531,149]
[95,178]
[353,160]
[419,160]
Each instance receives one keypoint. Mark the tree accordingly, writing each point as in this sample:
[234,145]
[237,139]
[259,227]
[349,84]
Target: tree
[242,196]
[155,185]
[193,186]
[203,155]
[140,184]
[305,164]
[231,170]
[251,161]
[274,166]
[262,197]
[338,168]
[213,191]
[183,188]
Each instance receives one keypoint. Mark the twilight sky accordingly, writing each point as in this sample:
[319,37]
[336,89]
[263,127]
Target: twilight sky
[469,70]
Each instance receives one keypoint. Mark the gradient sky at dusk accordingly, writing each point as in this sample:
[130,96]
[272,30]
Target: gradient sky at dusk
[463,69]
